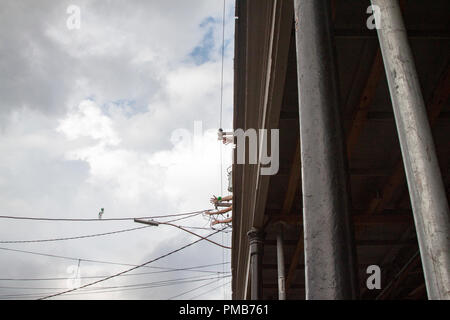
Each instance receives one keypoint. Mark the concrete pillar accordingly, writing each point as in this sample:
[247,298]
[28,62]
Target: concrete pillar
[329,249]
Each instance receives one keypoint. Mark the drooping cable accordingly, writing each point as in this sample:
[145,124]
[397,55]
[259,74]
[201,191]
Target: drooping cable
[130,269]
[177,280]
[192,298]
[101,291]
[195,234]
[99,220]
[73,238]
[189,269]
[194,289]
[93,235]
[223,54]
[83,259]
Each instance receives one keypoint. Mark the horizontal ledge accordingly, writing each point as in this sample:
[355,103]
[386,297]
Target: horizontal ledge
[275,286]
[364,172]
[358,220]
[359,243]
[371,115]
[412,34]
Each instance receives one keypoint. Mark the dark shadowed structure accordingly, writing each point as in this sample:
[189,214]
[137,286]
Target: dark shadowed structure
[364,125]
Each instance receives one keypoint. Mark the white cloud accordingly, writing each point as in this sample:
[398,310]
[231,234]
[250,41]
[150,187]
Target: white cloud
[86,120]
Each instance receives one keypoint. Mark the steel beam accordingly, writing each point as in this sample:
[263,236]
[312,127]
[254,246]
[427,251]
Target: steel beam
[295,263]
[427,193]
[329,248]
[399,277]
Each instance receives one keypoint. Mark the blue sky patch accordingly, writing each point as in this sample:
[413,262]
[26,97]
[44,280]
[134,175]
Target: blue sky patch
[129,107]
[202,53]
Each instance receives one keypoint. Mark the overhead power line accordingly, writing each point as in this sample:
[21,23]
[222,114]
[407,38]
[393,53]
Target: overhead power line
[190,269]
[101,291]
[104,234]
[99,220]
[221,72]
[83,259]
[198,277]
[186,217]
[73,238]
[207,228]
[131,269]
[195,234]
[201,294]
[192,290]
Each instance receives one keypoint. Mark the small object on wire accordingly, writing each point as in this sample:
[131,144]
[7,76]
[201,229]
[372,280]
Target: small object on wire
[100,214]
[220,134]
[225,137]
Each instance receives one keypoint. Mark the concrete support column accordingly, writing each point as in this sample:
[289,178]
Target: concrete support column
[256,241]
[426,189]
[329,248]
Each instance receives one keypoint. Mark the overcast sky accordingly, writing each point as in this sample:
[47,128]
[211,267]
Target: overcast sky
[103,117]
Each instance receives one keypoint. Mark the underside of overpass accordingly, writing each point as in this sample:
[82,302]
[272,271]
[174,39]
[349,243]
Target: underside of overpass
[382,222]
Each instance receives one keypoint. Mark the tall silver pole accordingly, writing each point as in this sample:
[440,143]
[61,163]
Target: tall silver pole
[329,249]
[280,265]
[426,189]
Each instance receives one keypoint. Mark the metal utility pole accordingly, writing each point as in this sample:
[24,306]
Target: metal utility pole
[329,249]
[280,265]
[426,189]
